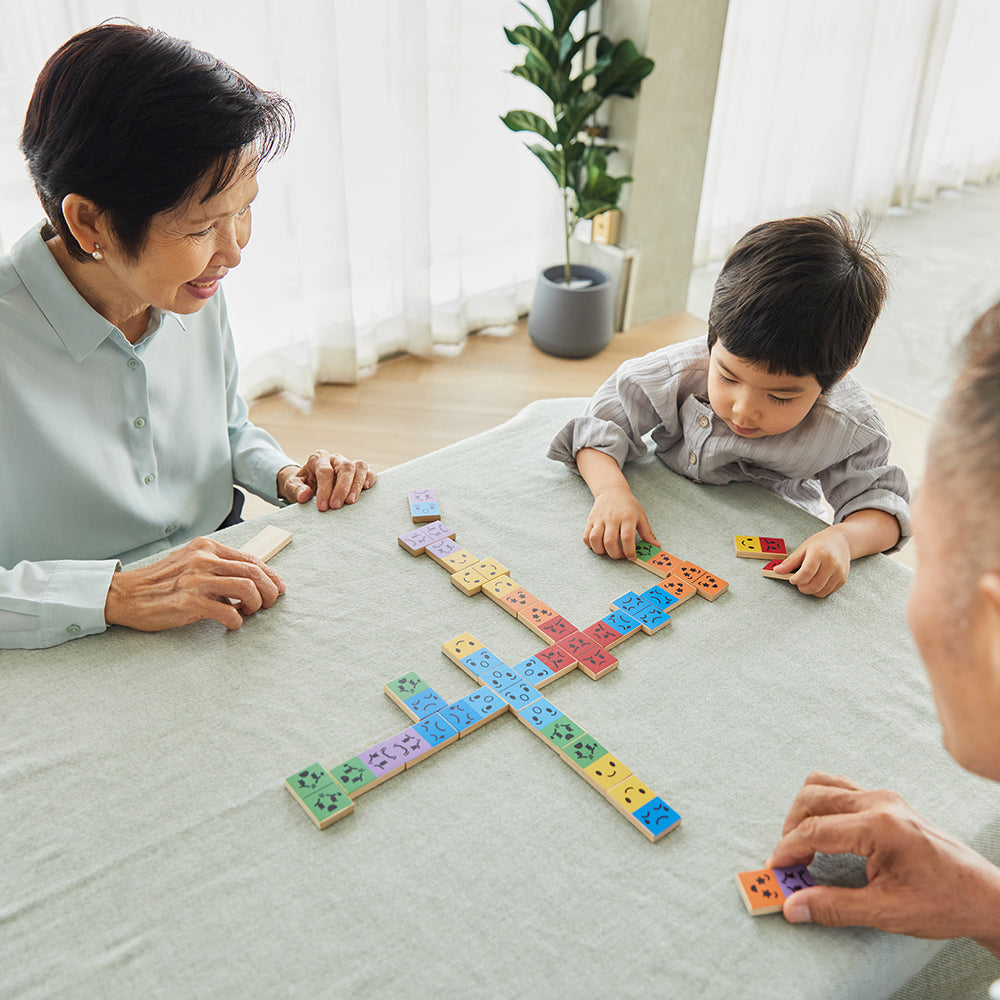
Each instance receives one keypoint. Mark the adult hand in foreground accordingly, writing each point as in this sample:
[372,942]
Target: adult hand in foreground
[331,478]
[921,881]
[197,581]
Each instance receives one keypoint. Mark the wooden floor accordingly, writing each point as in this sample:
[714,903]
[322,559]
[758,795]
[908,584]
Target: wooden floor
[411,407]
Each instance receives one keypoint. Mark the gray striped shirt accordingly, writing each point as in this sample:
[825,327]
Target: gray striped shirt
[840,451]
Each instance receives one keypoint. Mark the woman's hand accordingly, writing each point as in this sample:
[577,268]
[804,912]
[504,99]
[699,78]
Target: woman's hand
[331,478]
[920,881]
[202,580]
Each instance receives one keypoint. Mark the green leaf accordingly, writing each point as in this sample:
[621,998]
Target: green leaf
[564,13]
[576,114]
[577,44]
[528,121]
[624,70]
[538,40]
[542,79]
[553,159]
[538,20]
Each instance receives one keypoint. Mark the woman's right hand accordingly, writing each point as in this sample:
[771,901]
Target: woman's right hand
[201,580]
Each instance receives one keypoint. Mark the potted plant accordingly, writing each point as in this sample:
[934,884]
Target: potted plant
[573,310]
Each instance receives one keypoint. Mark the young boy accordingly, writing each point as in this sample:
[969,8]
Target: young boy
[766,399]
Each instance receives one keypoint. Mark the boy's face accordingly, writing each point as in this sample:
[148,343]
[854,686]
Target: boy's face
[753,401]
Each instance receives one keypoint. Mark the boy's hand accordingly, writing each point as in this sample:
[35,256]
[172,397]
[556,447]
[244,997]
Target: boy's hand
[613,522]
[820,565]
[920,880]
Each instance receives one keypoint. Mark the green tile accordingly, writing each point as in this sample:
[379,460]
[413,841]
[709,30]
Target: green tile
[407,686]
[354,775]
[562,733]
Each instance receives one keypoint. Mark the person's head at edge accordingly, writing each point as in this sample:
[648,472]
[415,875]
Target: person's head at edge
[954,608]
[144,152]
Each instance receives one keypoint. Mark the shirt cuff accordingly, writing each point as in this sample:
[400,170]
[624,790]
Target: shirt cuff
[884,500]
[74,600]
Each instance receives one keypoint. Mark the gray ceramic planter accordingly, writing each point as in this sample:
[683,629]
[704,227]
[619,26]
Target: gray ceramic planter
[572,322]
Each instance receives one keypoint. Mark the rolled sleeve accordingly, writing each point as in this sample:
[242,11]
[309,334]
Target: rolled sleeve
[639,397]
[866,480]
[45,603]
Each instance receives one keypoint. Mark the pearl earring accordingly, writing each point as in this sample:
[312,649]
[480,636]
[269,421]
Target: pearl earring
[97,255]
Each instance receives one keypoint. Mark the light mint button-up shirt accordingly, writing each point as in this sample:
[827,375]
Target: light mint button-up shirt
[109,452]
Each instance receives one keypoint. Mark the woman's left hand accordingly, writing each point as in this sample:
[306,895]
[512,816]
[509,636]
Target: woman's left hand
[331,478]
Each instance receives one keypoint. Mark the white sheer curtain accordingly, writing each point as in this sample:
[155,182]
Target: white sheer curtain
[403,216]
[847,104]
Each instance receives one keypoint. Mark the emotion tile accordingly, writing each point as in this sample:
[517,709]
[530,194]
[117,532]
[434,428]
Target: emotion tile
[476,664]
[656,819]
[491,569]
[688,571]
[556,628]
[557,659]
[584,752]
[760,892]
[597,663]
[653,619]
[436,731]
[441,549]
[680,588]
[629,603]
[747,546]
[534,671]
[773,547]
[710,586]
[630,794]
[793,878]
[769,570]
[539,714]
[606,772]
[355,777]
[460,647]
[470,581]
[659,597]
[320,794]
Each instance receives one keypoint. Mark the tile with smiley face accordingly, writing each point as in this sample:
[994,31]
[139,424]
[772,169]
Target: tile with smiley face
[629,795]
[606,772]
[496,590]
[460,647]
[760,892]
[470,581]
[747,546]
[491,569]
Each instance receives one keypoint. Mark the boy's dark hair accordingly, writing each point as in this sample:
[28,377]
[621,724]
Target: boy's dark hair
[135,120]
[799,296]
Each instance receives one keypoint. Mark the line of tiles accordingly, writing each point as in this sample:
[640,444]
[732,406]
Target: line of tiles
[327,797]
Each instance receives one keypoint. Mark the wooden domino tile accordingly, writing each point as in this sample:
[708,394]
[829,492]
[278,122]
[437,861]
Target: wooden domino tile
[534,617]
[643,808]
[423,506]
[440,548]
[491,569]
[496,590]
[651,619]
[604,634]
[470,581]
[662,564]
[556,628]
[759,547]
[437,732]
[597,663]
[355,777]
[267,543]
[768,570]
[418,539]
[710,586]
[557,659]
[760,892]
[460,647]
[320,794]
[688,571]
[623,623]
[406,687]
[583,753]
[630,603]
[680,588]
[518,600]
[535,672]
[478,663]
[606,772]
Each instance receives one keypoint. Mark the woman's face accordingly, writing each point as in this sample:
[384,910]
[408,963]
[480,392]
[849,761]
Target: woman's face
[187,252]
[954,622]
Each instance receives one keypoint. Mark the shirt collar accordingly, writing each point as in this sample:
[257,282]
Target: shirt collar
[77,324]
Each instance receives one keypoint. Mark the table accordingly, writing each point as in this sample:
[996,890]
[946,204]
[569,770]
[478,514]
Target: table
[150,848]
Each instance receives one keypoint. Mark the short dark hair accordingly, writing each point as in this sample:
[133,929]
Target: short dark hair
[135,120]
[799,296]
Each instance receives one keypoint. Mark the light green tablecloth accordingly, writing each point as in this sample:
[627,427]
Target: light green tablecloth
[149,847]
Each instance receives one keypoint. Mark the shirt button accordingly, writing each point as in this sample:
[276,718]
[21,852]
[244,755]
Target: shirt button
[703,421]
[133,363]
[170,529]
[149,479]
[692,458]
[74,630]
[139,423]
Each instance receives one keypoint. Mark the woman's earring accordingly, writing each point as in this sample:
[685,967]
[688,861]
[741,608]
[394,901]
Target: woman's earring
[97,255]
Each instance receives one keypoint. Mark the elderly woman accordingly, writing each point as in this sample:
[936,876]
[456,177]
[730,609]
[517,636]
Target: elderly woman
[121,428]
[920,880]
